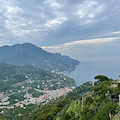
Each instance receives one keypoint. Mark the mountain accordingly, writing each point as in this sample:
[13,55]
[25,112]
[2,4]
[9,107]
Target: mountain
[29,54]
[30,85]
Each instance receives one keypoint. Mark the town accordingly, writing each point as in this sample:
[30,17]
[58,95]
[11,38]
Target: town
[46,97]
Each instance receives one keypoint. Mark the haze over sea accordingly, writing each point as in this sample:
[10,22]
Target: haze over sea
[95,59]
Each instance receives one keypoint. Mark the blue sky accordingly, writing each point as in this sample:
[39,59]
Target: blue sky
[55,22]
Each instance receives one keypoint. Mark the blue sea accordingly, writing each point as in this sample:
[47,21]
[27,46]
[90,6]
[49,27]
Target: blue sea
[86,71]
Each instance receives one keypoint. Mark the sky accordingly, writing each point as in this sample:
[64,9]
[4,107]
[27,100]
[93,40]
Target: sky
[87,30]
[55,22]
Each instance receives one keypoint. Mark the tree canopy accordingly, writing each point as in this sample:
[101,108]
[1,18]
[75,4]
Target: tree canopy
[101,78]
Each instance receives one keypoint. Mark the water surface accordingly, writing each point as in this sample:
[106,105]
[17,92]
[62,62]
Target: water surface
[86,71]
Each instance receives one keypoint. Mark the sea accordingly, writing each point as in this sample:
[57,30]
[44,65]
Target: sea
[86,71]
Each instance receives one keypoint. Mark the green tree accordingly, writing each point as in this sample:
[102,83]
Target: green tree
[105,110]
[101,78]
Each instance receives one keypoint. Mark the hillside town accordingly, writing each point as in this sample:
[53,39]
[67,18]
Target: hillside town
[46,97]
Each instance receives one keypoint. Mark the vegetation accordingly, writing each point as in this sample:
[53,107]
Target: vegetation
[64,108]
[13,78]
[101,78]
[25,84]
[29,54]
[17,113]
[99,103]
[86,102]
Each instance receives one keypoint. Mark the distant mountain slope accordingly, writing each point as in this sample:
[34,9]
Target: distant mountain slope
[29,54]
[11,75]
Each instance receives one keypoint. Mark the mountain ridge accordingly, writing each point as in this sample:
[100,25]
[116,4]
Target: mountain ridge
[29,54]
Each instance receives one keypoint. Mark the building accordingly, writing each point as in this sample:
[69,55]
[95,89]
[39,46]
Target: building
[118,81]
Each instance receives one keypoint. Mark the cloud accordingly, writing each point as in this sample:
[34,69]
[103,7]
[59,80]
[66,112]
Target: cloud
[56,21]
[51,22]
[58,16]
[116,32]
[92,50]
[53,4]
[88,9]
[79,43]
[12,20]
[21,21]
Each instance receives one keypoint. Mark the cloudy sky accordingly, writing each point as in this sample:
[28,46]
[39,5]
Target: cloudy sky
[55,22]
[87,30]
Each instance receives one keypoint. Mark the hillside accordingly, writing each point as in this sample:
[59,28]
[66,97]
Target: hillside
[87,102]
[98,101]
[52,109]
[30,85]
[29,54]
